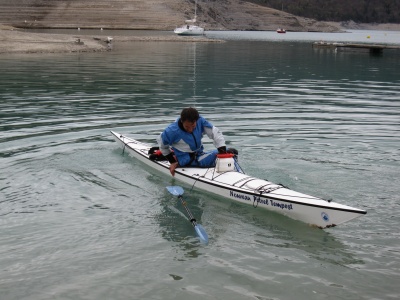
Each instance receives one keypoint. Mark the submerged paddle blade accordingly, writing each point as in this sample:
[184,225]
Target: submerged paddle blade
[175,190]
[201,232]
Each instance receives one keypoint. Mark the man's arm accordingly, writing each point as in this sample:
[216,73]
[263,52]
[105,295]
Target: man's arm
[165,149]
[216,135]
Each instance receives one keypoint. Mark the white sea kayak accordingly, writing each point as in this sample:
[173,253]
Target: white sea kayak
[238,186]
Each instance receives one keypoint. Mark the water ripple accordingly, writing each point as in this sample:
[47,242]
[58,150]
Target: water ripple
[78,214]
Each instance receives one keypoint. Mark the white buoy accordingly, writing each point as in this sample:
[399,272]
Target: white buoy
[79,28]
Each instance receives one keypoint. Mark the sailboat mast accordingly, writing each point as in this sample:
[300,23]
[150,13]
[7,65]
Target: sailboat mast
[195,10]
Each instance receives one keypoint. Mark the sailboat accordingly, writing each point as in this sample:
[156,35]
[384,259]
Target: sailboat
[190,28]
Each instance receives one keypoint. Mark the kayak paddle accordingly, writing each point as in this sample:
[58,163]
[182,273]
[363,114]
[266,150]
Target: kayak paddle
[201,232]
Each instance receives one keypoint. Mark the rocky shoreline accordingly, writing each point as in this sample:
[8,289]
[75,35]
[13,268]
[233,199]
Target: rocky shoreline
[18,41]
[350,25]
[13,40]
[152,15]
[155,15]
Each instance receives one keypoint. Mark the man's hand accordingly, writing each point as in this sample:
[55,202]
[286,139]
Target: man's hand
[172,168]
[222,150]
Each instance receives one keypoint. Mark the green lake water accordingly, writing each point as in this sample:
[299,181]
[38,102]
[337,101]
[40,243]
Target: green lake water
[81,220]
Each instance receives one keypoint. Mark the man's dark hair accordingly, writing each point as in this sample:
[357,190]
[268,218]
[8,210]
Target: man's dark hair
[189,114]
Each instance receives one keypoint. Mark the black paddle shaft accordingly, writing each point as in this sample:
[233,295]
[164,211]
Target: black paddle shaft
[191,218]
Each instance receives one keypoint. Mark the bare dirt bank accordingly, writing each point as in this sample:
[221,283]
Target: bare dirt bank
[13,40]
[152,15]
[366,26]
[16,41]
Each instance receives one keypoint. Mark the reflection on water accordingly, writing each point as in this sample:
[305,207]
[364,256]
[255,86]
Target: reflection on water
[320,122]
[274,231]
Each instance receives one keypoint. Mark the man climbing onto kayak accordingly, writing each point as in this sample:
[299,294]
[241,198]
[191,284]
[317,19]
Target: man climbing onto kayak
[181,142]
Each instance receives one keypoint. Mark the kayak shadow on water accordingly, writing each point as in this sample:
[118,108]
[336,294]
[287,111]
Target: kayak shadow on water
[261,227]
[274,230]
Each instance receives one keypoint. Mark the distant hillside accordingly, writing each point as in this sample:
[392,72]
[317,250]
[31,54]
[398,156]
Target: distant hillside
[152,14]
[360,11]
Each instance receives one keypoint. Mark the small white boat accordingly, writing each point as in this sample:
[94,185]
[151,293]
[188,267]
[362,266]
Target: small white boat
[190,28]
[229,181]
[281,30]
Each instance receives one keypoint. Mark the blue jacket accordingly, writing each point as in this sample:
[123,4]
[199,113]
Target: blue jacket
[187,145]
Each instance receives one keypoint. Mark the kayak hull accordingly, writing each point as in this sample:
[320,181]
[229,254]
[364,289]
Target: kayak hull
[246,189]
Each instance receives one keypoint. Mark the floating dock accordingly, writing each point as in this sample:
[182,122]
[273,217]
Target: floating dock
[372,48]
